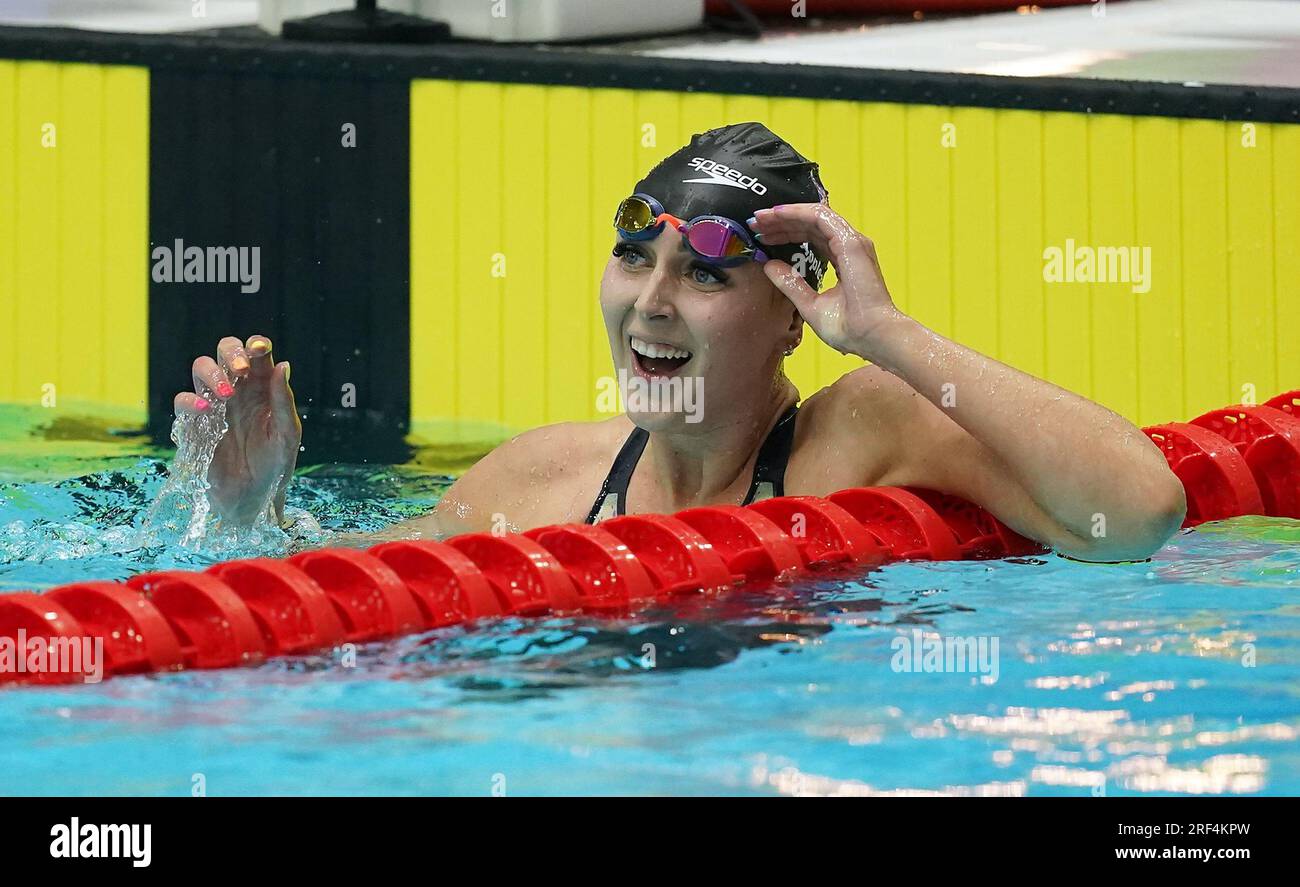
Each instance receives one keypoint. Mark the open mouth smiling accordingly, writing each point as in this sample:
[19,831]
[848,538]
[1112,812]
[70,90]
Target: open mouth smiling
[655,359]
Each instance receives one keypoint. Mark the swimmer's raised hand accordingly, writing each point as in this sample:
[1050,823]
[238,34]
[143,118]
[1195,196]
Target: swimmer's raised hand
[851,315]
[256,457]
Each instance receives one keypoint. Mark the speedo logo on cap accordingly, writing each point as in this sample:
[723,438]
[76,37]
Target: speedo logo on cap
[720,174]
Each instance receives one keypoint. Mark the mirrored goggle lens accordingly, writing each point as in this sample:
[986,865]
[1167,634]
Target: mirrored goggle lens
[634,216]
[716,240]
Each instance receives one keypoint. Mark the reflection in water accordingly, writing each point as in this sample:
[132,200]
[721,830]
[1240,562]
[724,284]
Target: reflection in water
[1173,676]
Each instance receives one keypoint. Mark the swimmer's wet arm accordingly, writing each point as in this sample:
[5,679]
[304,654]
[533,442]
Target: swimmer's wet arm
[438,524]
[450,517]
[522,483]
[1051,464]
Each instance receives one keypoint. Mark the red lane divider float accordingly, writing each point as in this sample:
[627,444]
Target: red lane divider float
[447,586]
[213,624]
[678,558]
[24,615]
[1269,440]
[1288,402]
[1233,461]
[749,544]
[291,610]
[605,573]
[823,532]
[901,521]
[979,534]
[370,597]
[528,579]
[1216,477]
[137,637]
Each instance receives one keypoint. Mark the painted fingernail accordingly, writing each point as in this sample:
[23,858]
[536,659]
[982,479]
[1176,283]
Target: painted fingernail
[286,372]
[201,403]
[752,220]
[239,364]
[225,390]
[260,347]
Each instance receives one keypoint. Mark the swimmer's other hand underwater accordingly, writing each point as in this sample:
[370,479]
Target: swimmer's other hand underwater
[712,281]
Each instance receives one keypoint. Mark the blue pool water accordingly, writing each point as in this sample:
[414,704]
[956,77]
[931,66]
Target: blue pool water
[1177,676]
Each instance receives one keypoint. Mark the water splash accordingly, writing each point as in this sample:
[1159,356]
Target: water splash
[180,513]
[97,526]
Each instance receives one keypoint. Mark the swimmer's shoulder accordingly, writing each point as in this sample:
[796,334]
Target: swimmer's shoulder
[545,475]
[554,454]
[888,396]
[849,433]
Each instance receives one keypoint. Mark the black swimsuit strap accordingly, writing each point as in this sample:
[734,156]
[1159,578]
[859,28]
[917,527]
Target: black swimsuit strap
[772,458]
[620,474]
[768,480]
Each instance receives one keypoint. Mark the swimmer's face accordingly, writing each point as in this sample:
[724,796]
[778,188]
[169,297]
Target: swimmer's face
[671,315]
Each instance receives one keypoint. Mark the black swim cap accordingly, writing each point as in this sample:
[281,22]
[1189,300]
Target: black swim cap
[734,170]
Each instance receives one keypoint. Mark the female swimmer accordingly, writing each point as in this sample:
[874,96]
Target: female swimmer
[718,257]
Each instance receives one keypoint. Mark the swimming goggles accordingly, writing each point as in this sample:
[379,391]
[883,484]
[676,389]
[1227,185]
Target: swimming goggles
[715,238]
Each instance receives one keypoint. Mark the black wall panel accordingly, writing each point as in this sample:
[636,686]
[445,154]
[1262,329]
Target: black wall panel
[252,159]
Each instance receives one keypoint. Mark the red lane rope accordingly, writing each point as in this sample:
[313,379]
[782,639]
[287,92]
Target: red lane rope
[1234,461]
